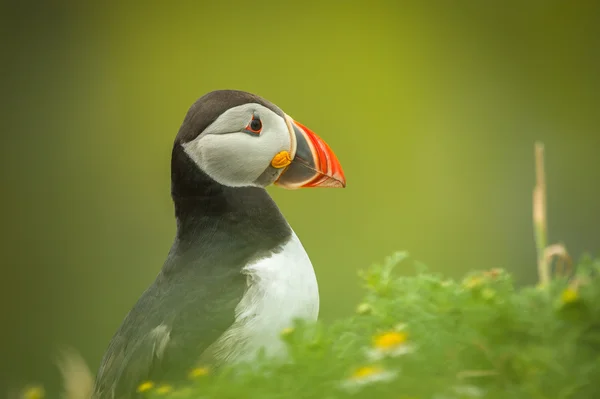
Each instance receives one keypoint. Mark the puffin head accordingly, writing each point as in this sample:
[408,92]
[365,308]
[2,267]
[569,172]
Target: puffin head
[239,139]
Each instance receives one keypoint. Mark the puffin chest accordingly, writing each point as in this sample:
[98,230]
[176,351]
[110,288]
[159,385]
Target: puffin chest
[281,287]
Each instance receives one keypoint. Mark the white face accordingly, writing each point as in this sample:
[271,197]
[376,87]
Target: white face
[235,154]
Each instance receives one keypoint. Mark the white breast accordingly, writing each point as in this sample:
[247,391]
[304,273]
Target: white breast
[281,288]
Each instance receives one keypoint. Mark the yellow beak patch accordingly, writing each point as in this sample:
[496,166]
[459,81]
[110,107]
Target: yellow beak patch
[281,160]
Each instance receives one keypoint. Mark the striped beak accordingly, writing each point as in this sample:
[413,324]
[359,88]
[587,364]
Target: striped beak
[313,163]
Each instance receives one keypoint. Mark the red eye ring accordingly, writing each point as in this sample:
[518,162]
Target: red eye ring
[255,125]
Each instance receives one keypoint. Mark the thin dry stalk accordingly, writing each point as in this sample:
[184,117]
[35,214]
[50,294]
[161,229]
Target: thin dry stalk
[564,264]
[539,215]
[546,253]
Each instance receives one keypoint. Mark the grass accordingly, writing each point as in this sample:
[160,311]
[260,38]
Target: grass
[426,336]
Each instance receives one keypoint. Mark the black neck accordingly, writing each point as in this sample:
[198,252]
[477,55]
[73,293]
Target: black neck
[220,224]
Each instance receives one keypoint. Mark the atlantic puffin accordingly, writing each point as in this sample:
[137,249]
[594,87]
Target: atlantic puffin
[236,274]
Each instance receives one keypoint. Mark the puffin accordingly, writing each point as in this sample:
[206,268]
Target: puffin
[236,274]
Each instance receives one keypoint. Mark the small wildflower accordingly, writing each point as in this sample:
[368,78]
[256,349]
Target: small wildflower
[569,295]
[367,375]
[390,343]
[33,392]
[145,386]
[390,339]
[164,389]
[286,332]
[199,372]
[364,308]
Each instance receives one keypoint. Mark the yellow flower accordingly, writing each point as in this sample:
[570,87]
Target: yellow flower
[199,372]
[145,386]
[366,372]
[286,332]
[390,343]
[366,375]
[164,389]
[390,339]
[569,295]
[33,392]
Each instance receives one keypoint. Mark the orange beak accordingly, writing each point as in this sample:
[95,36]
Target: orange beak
[313,163]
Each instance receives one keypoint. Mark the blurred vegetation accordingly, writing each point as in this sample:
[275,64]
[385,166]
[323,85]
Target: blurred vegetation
[428,336]
[431,107]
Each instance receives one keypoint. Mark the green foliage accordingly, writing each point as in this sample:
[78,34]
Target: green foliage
[428,337]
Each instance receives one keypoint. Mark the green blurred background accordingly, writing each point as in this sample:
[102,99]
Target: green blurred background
[432,108]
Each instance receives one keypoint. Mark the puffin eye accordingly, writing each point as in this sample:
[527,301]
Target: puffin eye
[255,125]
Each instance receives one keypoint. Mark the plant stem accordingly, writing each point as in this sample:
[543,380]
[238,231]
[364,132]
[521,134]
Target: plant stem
[539,215]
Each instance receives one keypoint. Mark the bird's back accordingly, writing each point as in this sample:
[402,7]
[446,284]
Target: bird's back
[167,331]
[193,300]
